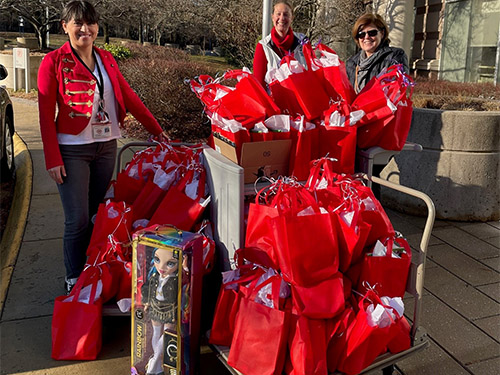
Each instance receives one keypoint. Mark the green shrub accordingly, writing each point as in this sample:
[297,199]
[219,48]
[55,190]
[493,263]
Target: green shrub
[158,76]
[118,51]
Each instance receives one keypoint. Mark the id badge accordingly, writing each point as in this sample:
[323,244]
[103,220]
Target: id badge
[102,127]
[101,130]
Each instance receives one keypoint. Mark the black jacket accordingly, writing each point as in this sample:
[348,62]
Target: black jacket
[387,56]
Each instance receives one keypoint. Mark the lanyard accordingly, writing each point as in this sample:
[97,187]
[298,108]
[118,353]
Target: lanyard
[100,81]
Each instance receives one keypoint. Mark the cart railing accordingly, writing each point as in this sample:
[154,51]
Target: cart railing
[416,278]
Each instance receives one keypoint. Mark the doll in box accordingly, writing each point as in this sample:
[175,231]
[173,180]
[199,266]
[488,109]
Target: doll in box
[160,296]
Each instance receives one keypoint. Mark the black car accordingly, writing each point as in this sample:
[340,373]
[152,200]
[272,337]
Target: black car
[6,130]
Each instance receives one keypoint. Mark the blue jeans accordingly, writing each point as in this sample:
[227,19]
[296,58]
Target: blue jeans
[89,169]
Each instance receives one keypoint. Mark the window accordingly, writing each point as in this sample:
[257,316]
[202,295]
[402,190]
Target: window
[482,53]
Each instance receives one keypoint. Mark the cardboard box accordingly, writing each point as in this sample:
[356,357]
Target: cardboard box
[259,159]
[166,301]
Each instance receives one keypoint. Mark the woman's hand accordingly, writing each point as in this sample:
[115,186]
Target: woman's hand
[161,137]
[57,173]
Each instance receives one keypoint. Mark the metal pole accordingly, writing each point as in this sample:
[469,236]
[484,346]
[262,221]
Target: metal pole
[266,18]
[27,71]
[496,77]
[48,34]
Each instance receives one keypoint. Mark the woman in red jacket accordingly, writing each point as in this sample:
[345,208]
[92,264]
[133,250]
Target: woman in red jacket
[281,42]
[84,86]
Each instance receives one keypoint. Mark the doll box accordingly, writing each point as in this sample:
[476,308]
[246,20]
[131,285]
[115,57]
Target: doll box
[166,301]
[259,159]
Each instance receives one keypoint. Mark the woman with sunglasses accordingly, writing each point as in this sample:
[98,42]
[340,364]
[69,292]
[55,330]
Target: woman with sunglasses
[371,34]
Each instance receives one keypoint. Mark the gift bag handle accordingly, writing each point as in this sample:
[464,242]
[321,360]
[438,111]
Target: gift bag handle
[252,275]
[275,282]
[84,277]
[390,245]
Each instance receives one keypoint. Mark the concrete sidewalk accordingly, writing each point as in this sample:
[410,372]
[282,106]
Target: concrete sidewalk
[461,310]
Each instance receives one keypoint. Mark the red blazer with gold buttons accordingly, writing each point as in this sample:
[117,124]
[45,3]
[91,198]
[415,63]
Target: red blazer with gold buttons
[64,82]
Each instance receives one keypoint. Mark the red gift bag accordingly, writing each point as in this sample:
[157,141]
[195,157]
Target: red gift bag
[260,334]
[305,143]
[248,84]
[305,238]
[153,193]
[307,347]
[364,342]
[240,107]
[130,181]
[119,259]
[374,214]
[260,133]
[258,232]
[395,133]
[321,301]
[77,324]
[339,142]
[391,132]
[177,208]
[231,132]
[112,218]
[401,340]
[331,72]
[353,234]
[147,201]
[303,85]
[285,99]
[127,188]
[309,92]
[373,101]
[279,126]
[337,338]
[227,306]
[387,274]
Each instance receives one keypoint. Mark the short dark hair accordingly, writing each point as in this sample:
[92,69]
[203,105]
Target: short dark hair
[81,11]
[367,19]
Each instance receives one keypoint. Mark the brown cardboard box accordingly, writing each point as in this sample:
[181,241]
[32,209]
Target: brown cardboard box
[259,159]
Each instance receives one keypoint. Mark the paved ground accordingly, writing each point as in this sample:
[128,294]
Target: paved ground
[461,310]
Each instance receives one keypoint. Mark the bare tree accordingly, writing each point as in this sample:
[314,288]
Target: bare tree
[41,14]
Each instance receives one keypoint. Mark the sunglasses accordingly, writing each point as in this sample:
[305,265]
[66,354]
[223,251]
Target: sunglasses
[362,34]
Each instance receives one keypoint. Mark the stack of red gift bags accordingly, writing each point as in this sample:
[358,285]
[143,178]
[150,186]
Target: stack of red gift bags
[161,185]
[313,105]
[318,287]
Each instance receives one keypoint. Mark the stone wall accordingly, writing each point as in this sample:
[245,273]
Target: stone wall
[458,167]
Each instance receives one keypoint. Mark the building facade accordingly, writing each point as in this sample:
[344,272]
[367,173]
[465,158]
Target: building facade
[454,40]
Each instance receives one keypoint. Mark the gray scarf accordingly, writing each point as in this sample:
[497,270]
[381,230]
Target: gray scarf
[365,65]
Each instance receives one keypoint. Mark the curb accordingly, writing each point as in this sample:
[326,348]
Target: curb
[18,215]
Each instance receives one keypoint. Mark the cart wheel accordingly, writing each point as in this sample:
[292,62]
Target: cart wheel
[389,370]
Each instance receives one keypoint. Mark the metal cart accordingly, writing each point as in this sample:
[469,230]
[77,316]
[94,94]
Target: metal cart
[226,183]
